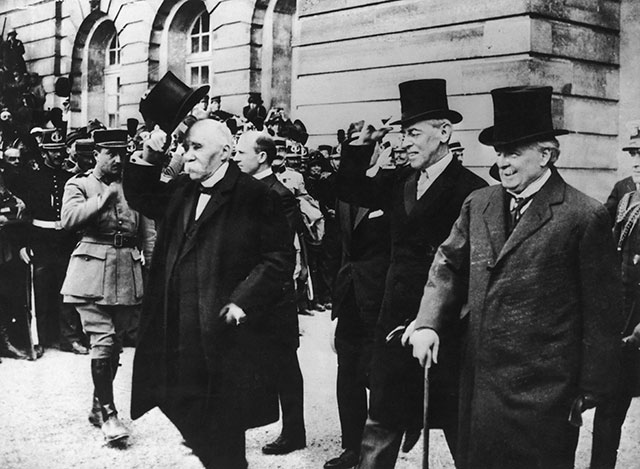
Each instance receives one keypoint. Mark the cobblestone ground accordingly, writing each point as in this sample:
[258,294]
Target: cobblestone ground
[44,406]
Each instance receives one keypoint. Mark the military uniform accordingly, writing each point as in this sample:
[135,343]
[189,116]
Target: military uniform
[51,247]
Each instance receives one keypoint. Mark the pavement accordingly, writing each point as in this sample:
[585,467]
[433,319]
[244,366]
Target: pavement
[44,407]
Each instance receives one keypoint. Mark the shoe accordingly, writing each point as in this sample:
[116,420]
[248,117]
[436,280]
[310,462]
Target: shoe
[10,351]
[348,459]
[75,347]
[114,430]
[95,416]
[283,445]
[39,350]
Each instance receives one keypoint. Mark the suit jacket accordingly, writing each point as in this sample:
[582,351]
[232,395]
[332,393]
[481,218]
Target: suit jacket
[417,229]
[620,188]
[544,321]
[243,235]
[366,245]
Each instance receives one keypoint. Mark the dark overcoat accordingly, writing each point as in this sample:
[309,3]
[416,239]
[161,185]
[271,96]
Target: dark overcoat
[544,322]
[417,229]
[244,256]
[620,188]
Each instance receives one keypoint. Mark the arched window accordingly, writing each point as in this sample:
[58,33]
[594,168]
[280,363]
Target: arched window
[112,83]
[199,58]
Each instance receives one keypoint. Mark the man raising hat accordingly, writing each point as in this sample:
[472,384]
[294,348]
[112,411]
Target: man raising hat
[422,201]
[533,259]
[104,278]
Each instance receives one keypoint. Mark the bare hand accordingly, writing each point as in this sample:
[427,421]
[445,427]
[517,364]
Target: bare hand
[25,255]
[370,135]
[233,315]
[425,343]
[3,220]
[153,147]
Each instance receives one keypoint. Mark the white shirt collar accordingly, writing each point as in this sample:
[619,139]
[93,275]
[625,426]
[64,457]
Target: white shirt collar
[216,176]
[437,168]
[534,187]
[263,174]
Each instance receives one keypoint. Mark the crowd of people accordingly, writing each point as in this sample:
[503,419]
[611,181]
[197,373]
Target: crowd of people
[198,236]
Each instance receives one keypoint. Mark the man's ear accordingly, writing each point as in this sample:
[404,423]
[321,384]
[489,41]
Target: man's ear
[445,132]
[262,157]
[545,157]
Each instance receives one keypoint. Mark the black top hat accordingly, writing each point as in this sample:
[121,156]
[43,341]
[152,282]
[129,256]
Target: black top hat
[110,138]
[52,139]
[84,146]
[169,101]
[520,114]
[255,98]
[425,99]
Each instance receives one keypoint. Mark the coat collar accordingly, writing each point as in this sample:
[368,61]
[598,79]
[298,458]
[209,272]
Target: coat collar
[444,182]
[536,216]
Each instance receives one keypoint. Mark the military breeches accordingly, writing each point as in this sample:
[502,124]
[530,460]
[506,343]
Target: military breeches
[105,325]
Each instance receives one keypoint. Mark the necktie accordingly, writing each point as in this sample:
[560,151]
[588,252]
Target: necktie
[206,190]
[423,184]
[516,210]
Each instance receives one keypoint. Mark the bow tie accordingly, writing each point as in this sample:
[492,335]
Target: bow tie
[206,190]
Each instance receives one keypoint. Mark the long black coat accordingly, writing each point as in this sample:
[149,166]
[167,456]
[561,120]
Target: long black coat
[417,229]
[544,322]
[244,257]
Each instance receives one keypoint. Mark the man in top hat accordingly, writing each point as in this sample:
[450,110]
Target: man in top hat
[104,278]
[207,345]
[624,206]
[630,183]
[48,247]
[533,259]
[422,201]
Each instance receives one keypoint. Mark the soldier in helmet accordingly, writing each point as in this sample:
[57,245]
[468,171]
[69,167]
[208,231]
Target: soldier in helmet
[49,247]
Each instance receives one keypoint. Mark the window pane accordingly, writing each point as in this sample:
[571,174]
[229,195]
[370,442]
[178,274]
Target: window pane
[205,22]
[194,76]
[205,43]
[112,57]
[205,75]
[195,45]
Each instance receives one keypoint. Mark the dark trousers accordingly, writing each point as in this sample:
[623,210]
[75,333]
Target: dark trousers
[57,322]
[354,343]
[607,429]
[291,394]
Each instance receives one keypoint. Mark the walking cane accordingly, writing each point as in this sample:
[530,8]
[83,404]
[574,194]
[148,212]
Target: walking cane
[425,433]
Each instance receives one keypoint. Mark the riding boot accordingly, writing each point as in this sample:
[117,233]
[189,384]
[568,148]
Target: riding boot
[112,427]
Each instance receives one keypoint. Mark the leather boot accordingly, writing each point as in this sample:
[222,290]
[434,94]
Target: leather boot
[95,416]
[113,429]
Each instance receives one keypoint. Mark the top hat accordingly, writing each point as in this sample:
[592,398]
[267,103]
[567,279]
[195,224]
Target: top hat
[634,139]
[169,101]
[52,139]
[84,146]
[62,87]
[255,98]
[520,114]
[110,138]
[425,99]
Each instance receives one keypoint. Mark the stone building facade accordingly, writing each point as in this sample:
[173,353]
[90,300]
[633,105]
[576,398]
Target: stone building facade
[330,62]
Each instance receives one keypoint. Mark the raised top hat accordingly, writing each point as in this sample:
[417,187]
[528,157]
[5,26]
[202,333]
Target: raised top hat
[520,114]
[169,101]
[425,99]
[110,138]
[84,146]
[52,139]
[634,139]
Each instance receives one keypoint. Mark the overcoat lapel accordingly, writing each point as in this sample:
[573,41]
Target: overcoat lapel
[444,183]
[537,215]
[410,191]
[360,214]
[495,221]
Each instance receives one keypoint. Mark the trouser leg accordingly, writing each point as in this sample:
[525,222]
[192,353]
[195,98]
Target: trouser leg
[380,446]
[351,394]
[291,391]
[607,429]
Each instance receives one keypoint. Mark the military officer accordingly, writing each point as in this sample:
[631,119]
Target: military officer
[49,247]
[104,278]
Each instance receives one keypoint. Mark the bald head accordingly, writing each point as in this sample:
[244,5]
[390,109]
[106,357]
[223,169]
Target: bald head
[207,145]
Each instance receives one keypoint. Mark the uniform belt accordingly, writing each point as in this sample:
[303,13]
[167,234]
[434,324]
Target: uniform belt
[47,225]
[117,240]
